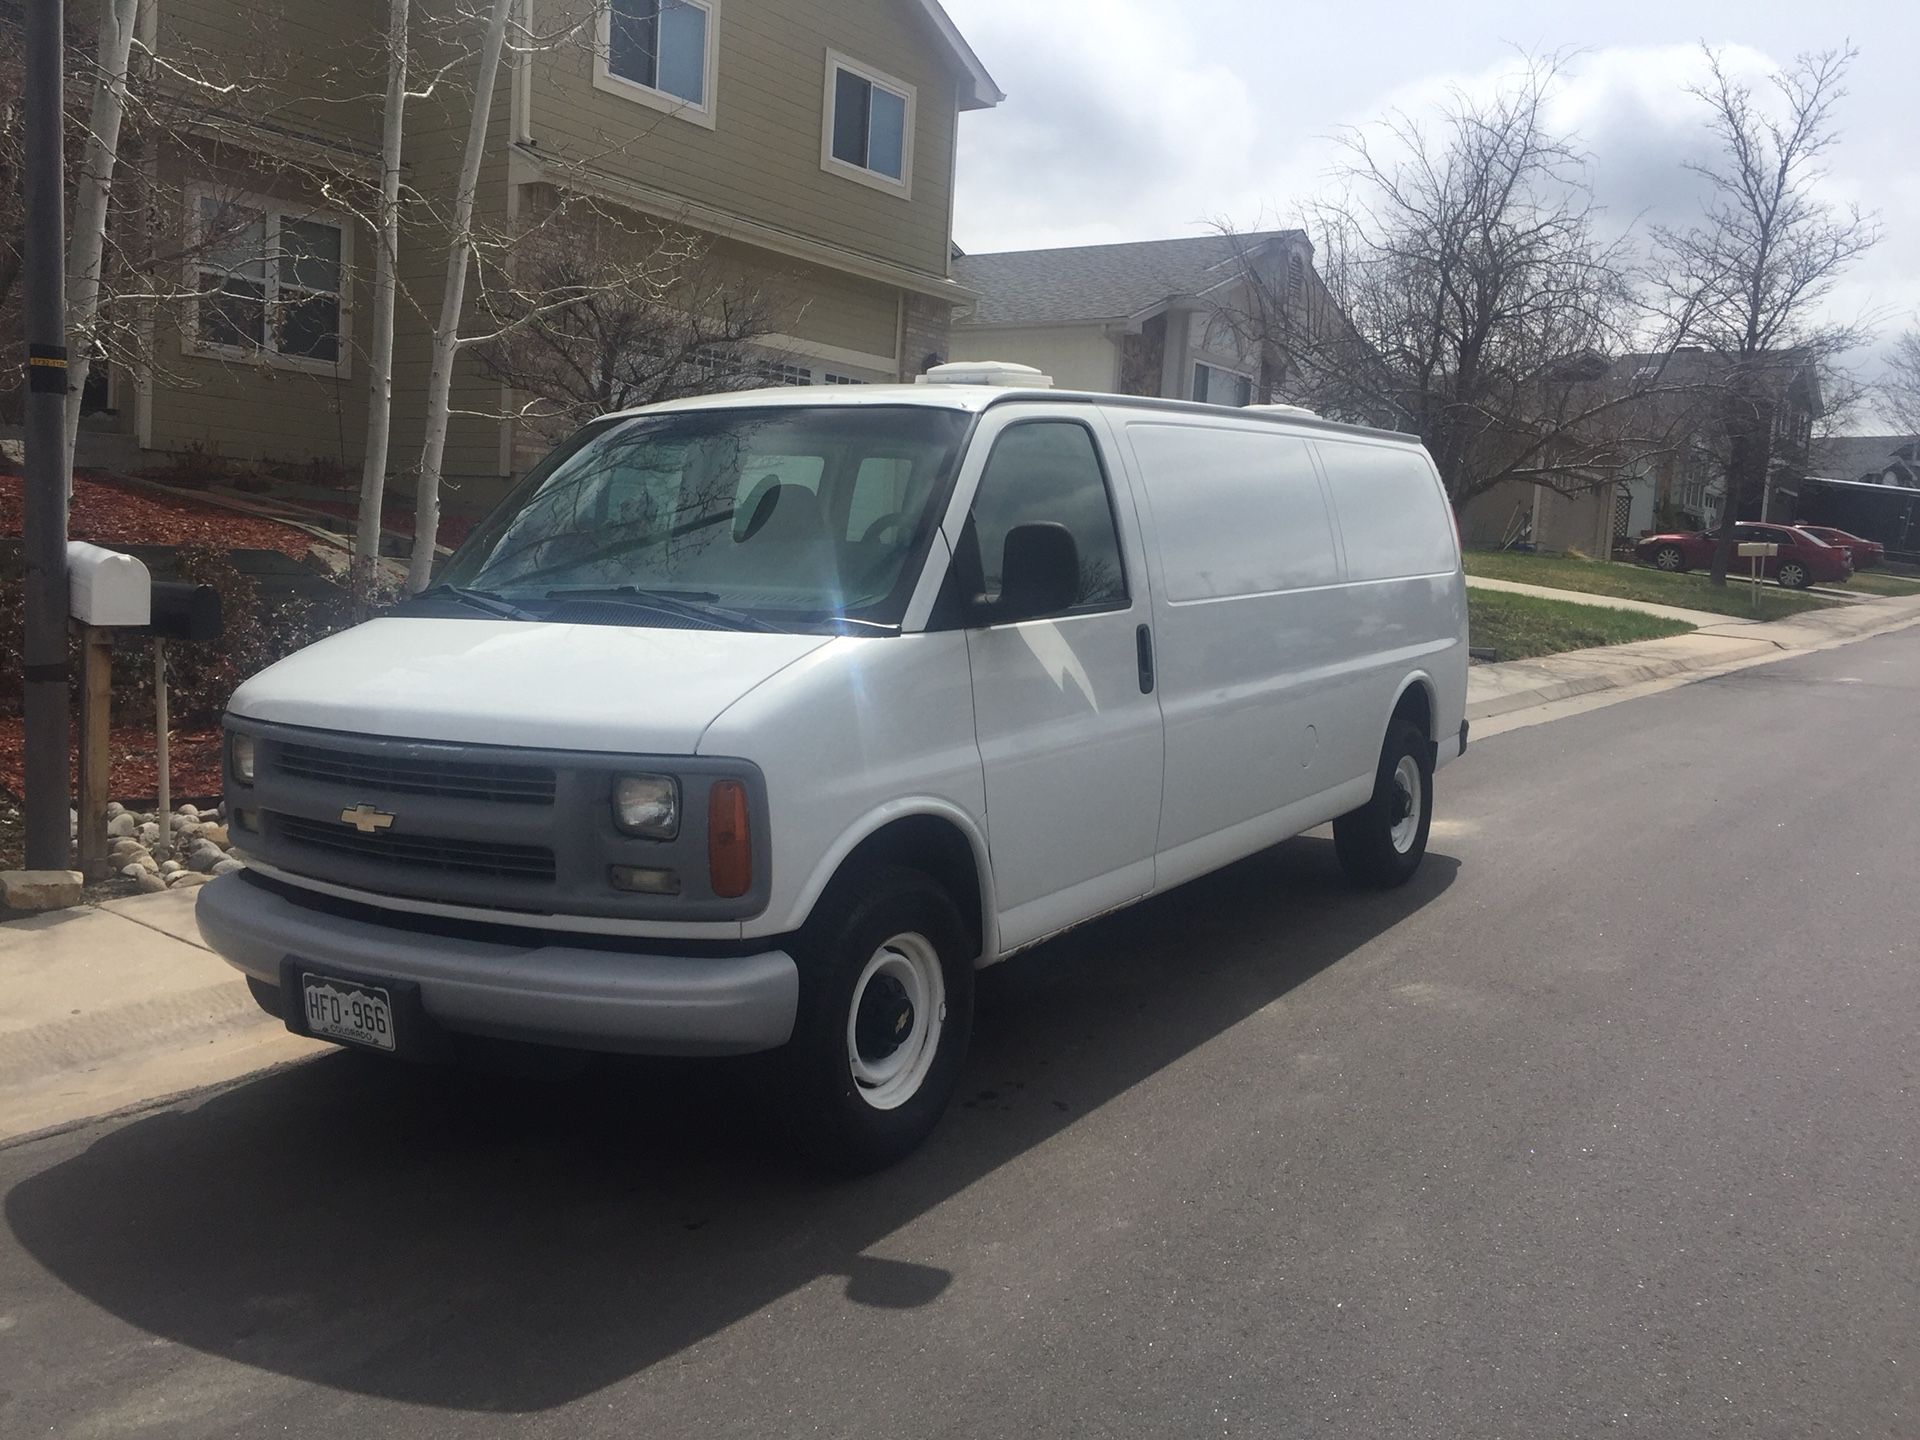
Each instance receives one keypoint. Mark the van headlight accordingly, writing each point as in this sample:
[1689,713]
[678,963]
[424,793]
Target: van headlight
[243,759]
[647,805]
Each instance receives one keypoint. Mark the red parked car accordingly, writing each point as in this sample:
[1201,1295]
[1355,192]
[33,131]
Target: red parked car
[1803,559]
[1866,553]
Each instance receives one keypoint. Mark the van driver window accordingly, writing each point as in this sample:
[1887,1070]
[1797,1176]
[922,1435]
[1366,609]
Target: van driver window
[1040,471]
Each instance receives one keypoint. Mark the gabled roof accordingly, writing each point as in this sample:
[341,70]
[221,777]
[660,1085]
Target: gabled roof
[1101,283]
[1849,457]
[984,94]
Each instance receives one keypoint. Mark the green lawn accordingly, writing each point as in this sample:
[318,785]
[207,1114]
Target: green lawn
[1521,626]
[1878,582]
[1636,582]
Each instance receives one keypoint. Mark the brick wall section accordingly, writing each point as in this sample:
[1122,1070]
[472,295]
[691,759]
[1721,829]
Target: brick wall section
[929,332]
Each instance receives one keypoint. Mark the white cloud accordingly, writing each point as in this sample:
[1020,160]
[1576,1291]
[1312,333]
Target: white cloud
[1129,119]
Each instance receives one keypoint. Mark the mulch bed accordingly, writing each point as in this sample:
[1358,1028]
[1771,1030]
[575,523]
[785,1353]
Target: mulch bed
[395,521]
[109,513]
[133,763]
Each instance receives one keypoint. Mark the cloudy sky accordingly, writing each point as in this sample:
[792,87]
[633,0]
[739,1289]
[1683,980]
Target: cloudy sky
[1135,119]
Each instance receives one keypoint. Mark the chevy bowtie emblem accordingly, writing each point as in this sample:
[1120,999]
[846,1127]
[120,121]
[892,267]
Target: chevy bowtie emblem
[366,819]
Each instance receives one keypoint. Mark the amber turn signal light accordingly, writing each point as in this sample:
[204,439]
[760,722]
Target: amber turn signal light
[729,840]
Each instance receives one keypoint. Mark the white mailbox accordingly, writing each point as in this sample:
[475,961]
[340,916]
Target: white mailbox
[1758,550]
[105,587]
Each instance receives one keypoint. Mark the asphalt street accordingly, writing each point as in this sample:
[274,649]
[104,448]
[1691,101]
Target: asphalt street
[1608,1124]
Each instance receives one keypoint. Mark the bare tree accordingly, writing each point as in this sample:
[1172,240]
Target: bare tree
[597,313]
[446,334]
[1750,279]
[89,223]
[1468,291]
[1900,390]
[373,467]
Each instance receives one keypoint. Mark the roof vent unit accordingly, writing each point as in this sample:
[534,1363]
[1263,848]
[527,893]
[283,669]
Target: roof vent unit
[986,372]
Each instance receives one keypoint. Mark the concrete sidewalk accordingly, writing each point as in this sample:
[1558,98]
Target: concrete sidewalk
[1607,602]
[113,1005]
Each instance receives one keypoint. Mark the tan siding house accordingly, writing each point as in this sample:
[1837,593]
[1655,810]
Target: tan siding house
[809,142]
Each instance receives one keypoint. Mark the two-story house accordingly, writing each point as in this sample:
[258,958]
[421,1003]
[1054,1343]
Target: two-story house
[1194,318]
[808,140]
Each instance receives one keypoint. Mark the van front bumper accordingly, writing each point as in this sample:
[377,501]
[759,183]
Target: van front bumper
[547,993]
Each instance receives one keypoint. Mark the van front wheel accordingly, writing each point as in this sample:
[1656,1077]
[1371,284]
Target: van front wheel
[1383,842]
[886,1011]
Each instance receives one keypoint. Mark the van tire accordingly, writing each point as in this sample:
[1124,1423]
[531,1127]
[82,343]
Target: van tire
[881,931]
[1374,846]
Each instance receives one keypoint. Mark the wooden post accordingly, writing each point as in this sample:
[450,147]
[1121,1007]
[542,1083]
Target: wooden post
[163,806]
[96,726]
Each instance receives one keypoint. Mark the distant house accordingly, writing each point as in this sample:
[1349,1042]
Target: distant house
[1153,317]
[1876,459]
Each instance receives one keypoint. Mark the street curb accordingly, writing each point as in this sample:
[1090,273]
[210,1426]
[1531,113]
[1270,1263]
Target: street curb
[1590,672]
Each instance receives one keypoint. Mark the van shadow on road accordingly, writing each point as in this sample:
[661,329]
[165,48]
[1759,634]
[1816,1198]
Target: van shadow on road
[430,1238]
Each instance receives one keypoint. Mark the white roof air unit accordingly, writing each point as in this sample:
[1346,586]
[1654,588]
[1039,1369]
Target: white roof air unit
[986,372]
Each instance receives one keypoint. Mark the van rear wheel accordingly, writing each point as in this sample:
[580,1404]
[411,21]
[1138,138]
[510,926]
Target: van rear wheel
[1382,843]
[886,1011]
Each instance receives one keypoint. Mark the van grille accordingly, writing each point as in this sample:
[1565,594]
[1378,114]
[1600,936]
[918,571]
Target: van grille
[462,779]
[487,858]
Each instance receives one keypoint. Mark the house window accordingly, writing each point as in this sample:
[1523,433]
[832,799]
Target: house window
[720,366]
[1215,386]
[661,53]
[827,377]
[868,135]
[270,282]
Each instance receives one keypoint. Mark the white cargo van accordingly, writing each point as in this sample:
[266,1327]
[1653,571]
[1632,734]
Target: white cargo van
[760,721]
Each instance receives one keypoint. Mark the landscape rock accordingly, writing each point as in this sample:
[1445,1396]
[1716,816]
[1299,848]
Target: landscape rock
[190,811]
[148,833]
[121,824]
[171,867]
[228,866]
[40,889]
[150,882]
[204,857]
[115,810]
[186,880]
[214,835]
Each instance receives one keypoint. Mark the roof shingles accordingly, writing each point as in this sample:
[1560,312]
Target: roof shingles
[1082,283]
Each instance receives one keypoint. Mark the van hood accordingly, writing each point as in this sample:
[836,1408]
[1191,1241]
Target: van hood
[626,689]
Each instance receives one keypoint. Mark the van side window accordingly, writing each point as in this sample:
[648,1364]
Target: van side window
[1041,471]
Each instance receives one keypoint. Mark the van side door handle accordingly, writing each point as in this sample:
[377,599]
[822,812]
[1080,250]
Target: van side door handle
[1143,650]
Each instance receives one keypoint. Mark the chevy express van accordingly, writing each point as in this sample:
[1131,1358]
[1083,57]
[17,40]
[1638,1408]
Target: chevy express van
[760,721]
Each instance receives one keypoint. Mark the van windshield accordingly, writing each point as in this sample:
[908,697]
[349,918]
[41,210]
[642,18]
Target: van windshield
[770,518]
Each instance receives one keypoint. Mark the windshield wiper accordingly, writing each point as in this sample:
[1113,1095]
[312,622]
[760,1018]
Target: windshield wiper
[485,601]
[687,604]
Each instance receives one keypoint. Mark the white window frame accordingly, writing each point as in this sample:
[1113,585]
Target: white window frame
[273,212]
[831,163]
[605,79]
[1238,374]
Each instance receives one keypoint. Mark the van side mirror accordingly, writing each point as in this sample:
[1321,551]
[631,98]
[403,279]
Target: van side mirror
[1039,574]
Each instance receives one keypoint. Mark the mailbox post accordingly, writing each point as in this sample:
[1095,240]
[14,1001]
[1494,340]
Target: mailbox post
[1756,551]
[108,592]
[105,591]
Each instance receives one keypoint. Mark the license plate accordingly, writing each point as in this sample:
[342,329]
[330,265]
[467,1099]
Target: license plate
[340,1010]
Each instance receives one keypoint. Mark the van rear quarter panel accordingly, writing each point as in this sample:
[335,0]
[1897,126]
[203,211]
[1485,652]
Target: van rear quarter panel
[1406,615]
[862,731]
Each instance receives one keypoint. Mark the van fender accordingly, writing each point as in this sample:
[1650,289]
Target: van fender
[1424,680]
[876,820]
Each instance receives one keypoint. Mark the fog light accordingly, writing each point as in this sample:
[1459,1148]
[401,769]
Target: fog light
[643,881]
[647,805]
[243,759]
